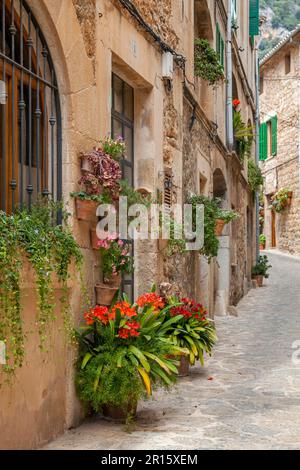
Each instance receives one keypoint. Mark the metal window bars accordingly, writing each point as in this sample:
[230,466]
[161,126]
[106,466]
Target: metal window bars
[30,130]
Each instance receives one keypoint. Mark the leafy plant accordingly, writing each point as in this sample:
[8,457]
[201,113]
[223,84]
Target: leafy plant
[115,255]
[255,177]
[280,200]
[123,352]
[262,239]
[134,196]
[193,330]
[50,249]
[113,147]
[84,196]
[211,208]
[227,215]
[262,266]
[207,64]
[243,135]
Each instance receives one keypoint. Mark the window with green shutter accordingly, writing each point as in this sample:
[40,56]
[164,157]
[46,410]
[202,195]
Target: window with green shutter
[253,17]
[220,46]
[263,141]
[274,124]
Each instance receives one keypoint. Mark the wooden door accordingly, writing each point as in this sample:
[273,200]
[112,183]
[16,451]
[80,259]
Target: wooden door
[273,229]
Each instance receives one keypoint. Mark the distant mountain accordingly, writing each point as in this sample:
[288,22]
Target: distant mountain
[279,17]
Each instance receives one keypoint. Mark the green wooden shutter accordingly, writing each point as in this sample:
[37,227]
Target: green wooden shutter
[218,42]
[253,17]
[263,141]
[274,123]
[222,51]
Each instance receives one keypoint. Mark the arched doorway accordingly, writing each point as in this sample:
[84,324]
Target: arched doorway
[30,122]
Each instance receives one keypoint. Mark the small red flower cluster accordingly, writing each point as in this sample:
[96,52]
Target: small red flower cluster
[130,330]
[125,308]
[152,300]
[98,313]
[236,103]
[189,309]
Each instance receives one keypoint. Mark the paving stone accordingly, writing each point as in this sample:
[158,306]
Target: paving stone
[253,401]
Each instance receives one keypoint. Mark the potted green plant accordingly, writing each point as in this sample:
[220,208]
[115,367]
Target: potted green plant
[207,63]
[192,331]
[260,270]
[86,204]
[122,355]
[281,200]
[223,217]
[262,241]
[116,260]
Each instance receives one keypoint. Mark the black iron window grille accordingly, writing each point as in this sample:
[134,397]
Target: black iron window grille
[123,126]
[30,125]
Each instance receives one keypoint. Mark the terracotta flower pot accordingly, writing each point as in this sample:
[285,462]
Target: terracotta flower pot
[259,280]
[289,199]
[105,294]
[85,209]
[94,239]
[119,414]
[86,166]
[162,244]
[184,368]
[219,227]
[113,281]
[261,247]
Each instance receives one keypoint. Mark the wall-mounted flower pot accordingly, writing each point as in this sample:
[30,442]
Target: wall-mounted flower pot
[184,368]
[105,294]
[94,239]
[162,244]
[289,199]
[86,166]
[259,280]
[85,209]
[119,414]
[113,281]
[220,223]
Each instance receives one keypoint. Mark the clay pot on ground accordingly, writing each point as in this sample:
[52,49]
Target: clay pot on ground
[259,279]
[184,368]
[119,414]
[219,227]
[85,209]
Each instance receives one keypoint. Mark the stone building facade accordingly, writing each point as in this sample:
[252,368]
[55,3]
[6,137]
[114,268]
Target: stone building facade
[179,130]
[279,101]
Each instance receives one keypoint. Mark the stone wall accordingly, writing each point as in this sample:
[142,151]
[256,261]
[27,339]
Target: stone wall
[281,97]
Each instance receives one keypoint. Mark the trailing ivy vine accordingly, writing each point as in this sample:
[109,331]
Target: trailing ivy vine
[50,248]
[255,177]
[207,64]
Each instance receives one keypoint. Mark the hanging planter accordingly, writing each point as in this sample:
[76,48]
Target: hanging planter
[281,200]
[86,166]
[94,239]
[85,209]
[105,294]
[220,223]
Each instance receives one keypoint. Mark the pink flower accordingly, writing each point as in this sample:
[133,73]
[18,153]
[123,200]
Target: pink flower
[121,243]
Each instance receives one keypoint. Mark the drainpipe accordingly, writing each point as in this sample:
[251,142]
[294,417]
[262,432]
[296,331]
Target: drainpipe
[257,120]
[229,114]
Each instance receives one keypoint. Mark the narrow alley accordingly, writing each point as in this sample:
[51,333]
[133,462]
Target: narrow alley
[248,395]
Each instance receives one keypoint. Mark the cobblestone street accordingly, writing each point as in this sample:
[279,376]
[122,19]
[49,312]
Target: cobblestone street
[248,395]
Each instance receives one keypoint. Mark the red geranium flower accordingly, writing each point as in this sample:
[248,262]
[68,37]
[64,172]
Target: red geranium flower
[236,103]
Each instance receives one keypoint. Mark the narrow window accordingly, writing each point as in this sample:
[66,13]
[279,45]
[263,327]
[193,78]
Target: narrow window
[123,126]
[287,61]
